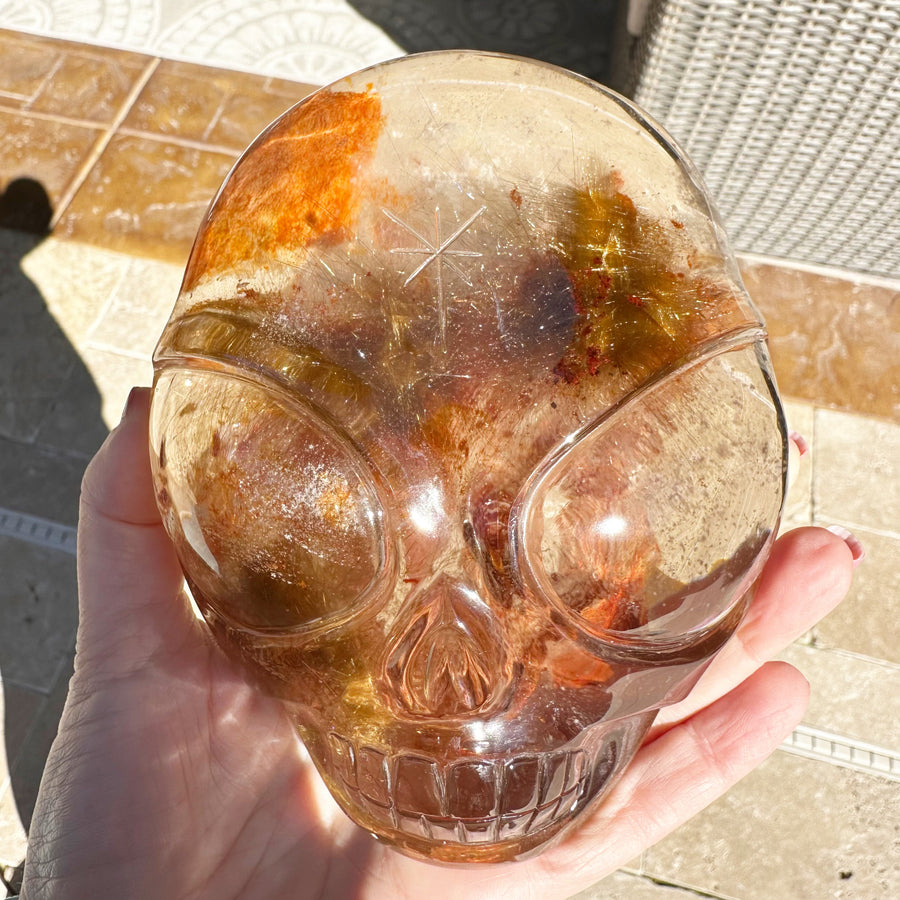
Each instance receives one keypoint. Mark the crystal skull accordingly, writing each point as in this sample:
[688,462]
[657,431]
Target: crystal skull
[466,435]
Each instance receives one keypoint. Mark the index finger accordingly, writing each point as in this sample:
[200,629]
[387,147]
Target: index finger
[806,576]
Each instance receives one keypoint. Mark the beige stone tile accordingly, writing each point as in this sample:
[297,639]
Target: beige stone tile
[19,793]
[180,100]
[834,341]
[856,473]
[13,838]
[798,506]
[89,83]
[795,828]
[49,397]
[72,421]
[115,375]
[145,197]
[12,875]
[38,612]
[28,768]
[76,282]
[19,706]
[629,886]
[850,696]
[36,358]
[210,105]
[246,112]
[868,621]
[41,481]
[24,67]
[47,151]
[34,67]
[55,291]
[139,308]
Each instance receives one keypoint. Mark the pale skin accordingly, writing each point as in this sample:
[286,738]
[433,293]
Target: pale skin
[171,777]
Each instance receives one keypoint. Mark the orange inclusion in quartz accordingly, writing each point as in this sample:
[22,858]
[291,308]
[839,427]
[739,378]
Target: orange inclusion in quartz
[294,188]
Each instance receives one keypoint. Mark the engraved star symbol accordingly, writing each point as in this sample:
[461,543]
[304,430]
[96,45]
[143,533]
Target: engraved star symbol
[440,253]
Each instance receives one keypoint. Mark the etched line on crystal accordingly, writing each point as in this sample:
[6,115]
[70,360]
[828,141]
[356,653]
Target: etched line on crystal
[439,252]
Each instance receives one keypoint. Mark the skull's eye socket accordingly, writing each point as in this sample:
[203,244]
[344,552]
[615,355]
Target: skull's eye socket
[651,527]
[275,518]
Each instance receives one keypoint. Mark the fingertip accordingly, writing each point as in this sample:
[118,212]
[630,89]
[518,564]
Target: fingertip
[795,689]
[812,558]
[806,576]
[117,482]
[137,405]
[129,578]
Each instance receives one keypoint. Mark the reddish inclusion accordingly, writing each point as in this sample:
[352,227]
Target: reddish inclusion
[292,189]
[634,314]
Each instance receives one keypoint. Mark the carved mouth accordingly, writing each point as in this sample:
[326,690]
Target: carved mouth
[468,801]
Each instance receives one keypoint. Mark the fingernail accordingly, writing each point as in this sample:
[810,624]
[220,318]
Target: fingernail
[797,449]
[856,548]
[130,403]
[799,442]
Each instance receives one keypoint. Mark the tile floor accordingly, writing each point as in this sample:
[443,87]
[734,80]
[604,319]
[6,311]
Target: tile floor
[129,149]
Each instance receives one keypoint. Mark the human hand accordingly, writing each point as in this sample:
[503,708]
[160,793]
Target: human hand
[172,777]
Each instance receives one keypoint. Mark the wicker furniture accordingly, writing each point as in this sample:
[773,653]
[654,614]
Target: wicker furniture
[791,110]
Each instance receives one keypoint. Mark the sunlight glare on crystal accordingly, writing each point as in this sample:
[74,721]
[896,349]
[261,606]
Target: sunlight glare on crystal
[611,526]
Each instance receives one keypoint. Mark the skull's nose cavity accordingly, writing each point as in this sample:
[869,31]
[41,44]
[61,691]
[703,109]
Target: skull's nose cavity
[446,656]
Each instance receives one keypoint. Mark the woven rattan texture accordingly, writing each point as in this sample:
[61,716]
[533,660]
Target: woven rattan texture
[791,110]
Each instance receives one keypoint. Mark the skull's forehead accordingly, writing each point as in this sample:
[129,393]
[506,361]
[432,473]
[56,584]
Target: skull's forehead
[483,408]
[439,266]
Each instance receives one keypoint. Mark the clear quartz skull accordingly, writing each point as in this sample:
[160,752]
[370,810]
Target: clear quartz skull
[466,435]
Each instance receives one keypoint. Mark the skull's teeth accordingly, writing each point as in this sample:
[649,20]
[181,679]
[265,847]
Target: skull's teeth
[468,801]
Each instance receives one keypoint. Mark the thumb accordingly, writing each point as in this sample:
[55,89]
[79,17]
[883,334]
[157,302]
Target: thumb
[129,579]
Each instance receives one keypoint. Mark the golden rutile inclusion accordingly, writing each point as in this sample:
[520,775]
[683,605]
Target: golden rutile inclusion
[464,430]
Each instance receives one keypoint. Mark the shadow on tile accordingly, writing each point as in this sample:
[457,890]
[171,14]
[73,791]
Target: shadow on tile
[50,426]
[575,34]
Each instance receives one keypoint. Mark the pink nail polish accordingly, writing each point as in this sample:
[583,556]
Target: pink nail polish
[856,548]
[799,442]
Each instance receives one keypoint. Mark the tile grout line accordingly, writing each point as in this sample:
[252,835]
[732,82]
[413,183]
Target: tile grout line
[833,272]
[852,654]
[690,890]
[56,118]
[179,141]
[119,351]
[26,107]
[64,665]
[811,642]
[107,304]
[103,142]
